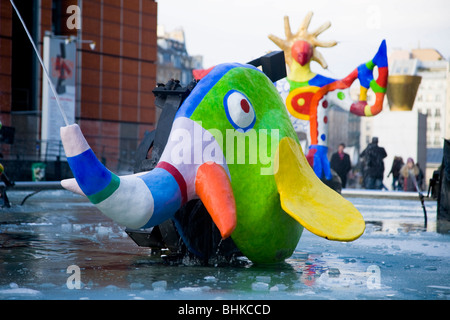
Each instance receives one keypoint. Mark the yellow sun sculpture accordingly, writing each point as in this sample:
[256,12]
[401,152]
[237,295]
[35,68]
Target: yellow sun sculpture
[303,34]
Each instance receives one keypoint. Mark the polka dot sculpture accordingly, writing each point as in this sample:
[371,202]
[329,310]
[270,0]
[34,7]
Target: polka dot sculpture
[310,95]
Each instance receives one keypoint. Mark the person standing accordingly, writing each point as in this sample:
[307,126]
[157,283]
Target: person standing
[410,173]
[397,164]
[340,162]
[374,165]
[3,196]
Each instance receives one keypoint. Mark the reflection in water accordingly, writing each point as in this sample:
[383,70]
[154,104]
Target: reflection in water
[443,226]
[398,226]
[39,241]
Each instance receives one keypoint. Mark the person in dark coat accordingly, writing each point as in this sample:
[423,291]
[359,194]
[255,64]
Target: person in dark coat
[397,164]
[374,165]
[340,162]
[8,183]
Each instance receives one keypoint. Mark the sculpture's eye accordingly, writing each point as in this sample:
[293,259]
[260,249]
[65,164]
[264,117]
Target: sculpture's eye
[239,111]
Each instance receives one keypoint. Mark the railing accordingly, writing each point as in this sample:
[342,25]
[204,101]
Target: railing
[115,158]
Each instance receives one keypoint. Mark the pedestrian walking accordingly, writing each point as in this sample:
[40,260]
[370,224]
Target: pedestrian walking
[374,166]
[340,162]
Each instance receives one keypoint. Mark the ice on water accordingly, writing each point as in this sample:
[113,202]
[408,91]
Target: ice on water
[396,258]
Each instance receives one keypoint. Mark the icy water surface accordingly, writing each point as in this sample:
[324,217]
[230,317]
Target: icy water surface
[45,241]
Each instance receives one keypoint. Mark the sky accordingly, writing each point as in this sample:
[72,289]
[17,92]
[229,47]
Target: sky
[237,30]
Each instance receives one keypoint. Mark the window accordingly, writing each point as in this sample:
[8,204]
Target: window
[437,141]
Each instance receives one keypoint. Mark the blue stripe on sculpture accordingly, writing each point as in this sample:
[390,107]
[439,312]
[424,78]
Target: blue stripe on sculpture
[204,86]
[89,172]
[380,58]
[320,81]
[166,194]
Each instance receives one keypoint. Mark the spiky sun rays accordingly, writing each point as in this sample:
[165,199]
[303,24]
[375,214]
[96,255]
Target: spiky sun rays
[303,34]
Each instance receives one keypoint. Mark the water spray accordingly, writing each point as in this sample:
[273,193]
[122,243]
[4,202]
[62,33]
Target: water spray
[63,114]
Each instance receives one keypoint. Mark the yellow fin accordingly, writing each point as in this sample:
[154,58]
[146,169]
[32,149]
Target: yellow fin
[304,197]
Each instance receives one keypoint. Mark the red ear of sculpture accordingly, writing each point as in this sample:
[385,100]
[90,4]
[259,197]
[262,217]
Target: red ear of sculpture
[201,73]
[213,186]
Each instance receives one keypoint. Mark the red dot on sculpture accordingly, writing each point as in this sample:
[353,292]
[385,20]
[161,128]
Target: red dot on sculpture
[245,106]
[325,104]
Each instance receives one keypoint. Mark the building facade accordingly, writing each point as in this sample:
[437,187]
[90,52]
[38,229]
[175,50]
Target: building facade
[174,62]
[114,81]
[433,96]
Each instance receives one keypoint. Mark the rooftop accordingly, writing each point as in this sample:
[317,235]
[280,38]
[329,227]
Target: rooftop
[427,55]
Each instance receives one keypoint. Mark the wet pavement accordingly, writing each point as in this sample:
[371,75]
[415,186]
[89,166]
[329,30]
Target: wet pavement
[58,246]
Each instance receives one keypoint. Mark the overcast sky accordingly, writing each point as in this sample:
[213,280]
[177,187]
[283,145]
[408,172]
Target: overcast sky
[237,30]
